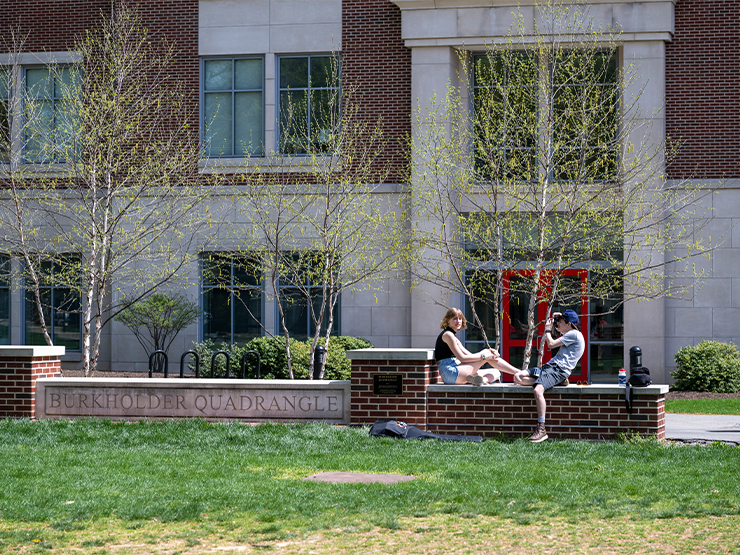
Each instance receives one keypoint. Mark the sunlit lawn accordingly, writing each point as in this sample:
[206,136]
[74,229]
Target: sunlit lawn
[94,486]
[703,406]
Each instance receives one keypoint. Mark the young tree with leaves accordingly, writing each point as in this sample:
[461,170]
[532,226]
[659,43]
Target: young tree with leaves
[107,191]
[550,170]
[319,224]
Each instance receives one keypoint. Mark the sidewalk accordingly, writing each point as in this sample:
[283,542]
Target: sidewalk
[703,428]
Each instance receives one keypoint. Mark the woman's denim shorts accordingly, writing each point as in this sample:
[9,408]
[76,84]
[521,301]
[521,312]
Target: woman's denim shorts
[447,368]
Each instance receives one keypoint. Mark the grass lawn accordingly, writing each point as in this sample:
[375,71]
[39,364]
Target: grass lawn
[703,406]
[98,487]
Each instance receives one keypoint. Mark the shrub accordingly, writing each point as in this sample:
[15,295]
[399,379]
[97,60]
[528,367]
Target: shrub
[708,366]
[272,358]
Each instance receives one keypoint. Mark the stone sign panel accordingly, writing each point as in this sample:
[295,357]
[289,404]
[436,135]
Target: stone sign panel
[247,400]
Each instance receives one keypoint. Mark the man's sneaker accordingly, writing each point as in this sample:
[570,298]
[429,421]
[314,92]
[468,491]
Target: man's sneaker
[540,434]
[564,383]
[475,379]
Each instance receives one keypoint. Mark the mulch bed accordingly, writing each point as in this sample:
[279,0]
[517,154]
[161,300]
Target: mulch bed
[700,395]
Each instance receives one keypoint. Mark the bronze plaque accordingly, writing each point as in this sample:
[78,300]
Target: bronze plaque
[387,384]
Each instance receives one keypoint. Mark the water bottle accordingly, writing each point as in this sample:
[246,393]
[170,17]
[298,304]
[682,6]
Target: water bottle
[622,377]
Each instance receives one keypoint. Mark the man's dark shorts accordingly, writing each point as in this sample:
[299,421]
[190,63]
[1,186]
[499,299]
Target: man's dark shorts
[548,375]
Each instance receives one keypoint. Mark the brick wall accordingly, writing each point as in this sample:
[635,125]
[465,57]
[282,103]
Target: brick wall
[594,412]
[375,59]
[50,25]
[491,411]
[702,89]
[410,407]
[18,375]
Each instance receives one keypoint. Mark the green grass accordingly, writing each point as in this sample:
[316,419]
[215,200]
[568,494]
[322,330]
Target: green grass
[703,406]
[84,478]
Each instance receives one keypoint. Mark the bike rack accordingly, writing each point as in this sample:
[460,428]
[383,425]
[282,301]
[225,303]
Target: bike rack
[166,363]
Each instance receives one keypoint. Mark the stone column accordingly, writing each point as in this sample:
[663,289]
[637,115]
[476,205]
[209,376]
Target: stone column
[391,384]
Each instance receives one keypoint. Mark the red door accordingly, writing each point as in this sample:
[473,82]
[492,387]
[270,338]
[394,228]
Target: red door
[516,304]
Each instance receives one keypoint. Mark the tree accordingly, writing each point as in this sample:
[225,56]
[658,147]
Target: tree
[318,225]
[552,170]
[106,191]
[157,319]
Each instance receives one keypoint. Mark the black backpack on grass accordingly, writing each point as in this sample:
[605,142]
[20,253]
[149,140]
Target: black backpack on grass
[401,430]
[639,377]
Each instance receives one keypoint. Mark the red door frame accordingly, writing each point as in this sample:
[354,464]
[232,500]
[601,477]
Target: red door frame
[581,372]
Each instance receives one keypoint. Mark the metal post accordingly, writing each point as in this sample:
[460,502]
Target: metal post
[319,359]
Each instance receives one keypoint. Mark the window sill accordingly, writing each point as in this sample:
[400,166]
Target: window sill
[271,164]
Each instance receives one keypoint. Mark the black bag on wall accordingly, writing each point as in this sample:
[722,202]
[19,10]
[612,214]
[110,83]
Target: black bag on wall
[639,377]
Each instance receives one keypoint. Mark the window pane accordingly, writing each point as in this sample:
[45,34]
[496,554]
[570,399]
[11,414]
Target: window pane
[218,122]
[33,331]
[4,88]
[605,362]
[66,319]
[246,272]
[218,75]
[216,270]
[38,83]
[296,313]
[247,314]
[248,124]
[294,73]
[63,83]
[217,315]
[248,74]
[40,131]
[4,316]
[322,73]
[233,311]
[293,122]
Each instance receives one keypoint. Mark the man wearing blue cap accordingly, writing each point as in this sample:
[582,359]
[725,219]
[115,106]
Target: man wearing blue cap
[557,370]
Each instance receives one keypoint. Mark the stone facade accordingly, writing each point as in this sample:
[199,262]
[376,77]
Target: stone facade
[399,54]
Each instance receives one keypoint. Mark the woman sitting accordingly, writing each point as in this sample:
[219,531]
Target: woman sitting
[455,363]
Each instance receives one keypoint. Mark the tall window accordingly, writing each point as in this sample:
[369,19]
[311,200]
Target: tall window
[5,90]
[60,305]
[4,299]
[49,118]
[232,298]
[303,283]
[308,103]
[568,105]
[233,102]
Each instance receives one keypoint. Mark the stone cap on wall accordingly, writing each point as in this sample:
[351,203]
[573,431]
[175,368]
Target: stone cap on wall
[30,351]
[391,354]
[595,389]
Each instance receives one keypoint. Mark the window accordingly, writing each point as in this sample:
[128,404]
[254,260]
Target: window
[233,104]
[295,290]
[5,90]
[4,299]
[308,103]
[575,113]
[48,113]
[232,298]
[60,305]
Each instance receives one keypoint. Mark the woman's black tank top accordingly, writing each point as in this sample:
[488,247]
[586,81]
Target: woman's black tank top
[441,349]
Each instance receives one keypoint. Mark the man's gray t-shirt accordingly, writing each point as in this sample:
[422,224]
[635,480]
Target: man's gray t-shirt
[570,353]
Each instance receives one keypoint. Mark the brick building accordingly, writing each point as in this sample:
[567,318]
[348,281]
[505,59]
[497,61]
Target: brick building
[400,54]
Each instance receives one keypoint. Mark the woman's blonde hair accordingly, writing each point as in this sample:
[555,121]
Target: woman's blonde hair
[451,313]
